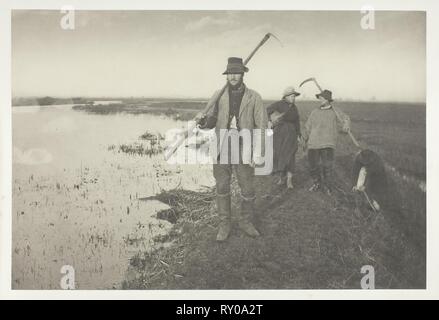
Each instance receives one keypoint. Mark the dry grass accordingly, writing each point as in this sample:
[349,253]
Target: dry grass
[309,240]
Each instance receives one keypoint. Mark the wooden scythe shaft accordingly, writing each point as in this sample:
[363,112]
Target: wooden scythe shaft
[337,114]
[170,151]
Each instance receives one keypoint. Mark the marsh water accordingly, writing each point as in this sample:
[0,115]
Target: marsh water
[79,201]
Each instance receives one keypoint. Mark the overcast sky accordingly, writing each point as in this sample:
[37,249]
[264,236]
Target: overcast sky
[183,53]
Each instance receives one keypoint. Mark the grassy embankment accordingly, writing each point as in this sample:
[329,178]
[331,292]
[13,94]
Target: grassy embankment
[309,241]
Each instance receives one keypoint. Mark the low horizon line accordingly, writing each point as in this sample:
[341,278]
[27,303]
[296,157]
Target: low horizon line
[202,98]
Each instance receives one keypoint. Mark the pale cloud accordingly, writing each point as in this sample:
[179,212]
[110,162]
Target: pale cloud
[209,21]
[182,54]
[266,27]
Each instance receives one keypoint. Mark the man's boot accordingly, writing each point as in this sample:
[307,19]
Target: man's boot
[245,217]
[224,213]
[281,179]
[316,178]
[328,182]
[316,186]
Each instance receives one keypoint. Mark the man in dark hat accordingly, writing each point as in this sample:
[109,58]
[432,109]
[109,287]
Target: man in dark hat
[320,133]
[237,109]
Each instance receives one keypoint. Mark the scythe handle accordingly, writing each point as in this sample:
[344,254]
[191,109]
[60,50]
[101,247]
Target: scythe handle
[349,132]
[170,151]
[337,114]
[369,201]
[260,44]
[317,84]
[210,105]
[266,37]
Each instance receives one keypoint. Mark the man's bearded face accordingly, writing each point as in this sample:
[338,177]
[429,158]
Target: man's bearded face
[234,79]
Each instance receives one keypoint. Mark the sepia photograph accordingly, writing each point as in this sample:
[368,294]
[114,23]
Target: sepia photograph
[218,149]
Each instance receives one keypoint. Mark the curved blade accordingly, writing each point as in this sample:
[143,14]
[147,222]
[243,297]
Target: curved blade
[272,35]
[305,81]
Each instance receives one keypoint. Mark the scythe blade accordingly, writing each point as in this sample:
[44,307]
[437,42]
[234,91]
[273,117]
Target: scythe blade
[305,81]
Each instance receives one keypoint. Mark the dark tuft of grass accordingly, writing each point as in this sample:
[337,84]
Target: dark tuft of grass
[308,241]
[151,136]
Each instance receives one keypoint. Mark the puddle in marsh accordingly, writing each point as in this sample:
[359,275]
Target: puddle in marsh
[75,202]
[420,184]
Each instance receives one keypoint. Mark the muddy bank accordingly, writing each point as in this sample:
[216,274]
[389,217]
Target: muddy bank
[309,241]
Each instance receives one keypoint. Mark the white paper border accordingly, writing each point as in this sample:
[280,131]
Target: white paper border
[432,9]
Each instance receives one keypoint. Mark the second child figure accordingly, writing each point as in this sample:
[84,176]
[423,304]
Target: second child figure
[320,134]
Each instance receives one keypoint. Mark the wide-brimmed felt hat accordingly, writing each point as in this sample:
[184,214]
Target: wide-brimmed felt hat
[326,94]
[289,91]
[235,65]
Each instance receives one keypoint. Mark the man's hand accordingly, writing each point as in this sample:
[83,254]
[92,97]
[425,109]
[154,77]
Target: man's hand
[275,122]
[346,126]
[360,188]
[200,119]
[199,116]
[302,143]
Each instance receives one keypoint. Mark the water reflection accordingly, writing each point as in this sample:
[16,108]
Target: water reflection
[75,202]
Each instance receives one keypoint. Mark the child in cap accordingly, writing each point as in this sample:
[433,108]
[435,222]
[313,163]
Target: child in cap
[320,134]
[285,121]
